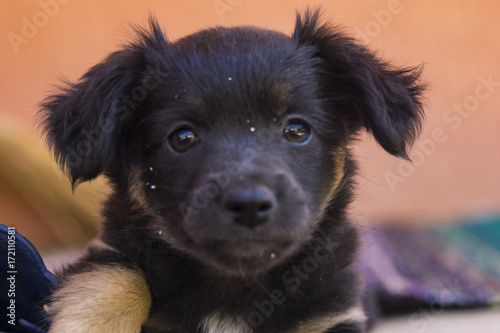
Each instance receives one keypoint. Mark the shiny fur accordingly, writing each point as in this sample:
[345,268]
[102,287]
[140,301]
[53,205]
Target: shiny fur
[245,230]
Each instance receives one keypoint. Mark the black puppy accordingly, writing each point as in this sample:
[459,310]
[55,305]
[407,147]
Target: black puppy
[227,153]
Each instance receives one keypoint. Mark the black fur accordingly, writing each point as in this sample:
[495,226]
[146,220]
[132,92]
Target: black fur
[234,225]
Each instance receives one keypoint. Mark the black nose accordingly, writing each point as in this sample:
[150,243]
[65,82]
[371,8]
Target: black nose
[250,208]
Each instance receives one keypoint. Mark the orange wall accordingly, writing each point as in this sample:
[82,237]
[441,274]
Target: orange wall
[456,170]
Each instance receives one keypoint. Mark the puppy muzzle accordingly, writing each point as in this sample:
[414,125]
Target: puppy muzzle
[251,225]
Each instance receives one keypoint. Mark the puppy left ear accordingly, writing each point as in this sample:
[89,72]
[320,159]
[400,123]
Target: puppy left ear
[84,122]
[366,91]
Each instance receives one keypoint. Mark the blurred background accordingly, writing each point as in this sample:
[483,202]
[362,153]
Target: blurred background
[454,175]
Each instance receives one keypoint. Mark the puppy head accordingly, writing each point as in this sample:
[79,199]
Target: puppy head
[231,141]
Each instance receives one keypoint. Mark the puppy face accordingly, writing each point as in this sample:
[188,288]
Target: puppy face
[231,143]
[241,156]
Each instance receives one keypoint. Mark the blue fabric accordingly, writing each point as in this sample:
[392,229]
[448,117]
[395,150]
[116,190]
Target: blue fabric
[25,285]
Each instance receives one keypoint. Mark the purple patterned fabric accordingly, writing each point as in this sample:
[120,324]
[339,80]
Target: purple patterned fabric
[456,266]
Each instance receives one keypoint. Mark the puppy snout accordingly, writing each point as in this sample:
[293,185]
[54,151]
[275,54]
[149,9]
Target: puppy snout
[250,207]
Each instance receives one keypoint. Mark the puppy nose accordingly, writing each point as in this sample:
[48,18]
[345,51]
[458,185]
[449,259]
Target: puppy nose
[250,208]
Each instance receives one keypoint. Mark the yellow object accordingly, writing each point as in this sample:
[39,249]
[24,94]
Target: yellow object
[28,168]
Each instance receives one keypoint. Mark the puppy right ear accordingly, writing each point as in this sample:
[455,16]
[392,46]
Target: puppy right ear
[363,89]
[83,123]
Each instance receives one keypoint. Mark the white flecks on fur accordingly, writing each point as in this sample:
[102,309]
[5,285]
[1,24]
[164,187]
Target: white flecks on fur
[216,323]
[273,255]
[230,79]
[323,323]
[153,187]
[106,300]
[151,169]
[252,129]
[159,232]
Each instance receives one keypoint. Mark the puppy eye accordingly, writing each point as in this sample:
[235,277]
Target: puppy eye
[297,132]
[182,139]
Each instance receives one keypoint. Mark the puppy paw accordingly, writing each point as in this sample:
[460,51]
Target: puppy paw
[107,299]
